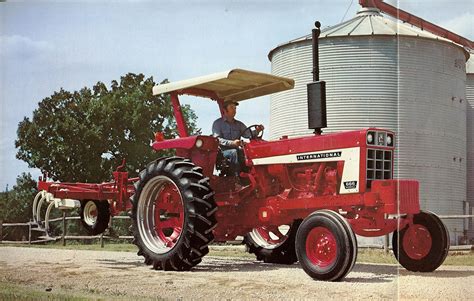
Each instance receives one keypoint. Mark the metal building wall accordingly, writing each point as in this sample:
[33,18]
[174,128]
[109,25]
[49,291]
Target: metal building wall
[411,85]
[432,125]
[470,141]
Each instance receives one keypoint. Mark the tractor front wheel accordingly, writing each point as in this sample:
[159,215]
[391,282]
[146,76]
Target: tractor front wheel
[273,244]
[95,216]
[173,214]
[422,246]
[326,246]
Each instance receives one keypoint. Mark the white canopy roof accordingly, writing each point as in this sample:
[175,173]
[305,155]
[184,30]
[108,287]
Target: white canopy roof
[232,85]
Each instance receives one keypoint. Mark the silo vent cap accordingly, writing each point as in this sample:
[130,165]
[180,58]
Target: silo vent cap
[369,11]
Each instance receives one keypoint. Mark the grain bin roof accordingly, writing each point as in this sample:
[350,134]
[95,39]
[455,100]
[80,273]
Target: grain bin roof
[370,22]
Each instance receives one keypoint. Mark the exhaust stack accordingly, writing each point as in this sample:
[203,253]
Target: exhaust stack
[317,89]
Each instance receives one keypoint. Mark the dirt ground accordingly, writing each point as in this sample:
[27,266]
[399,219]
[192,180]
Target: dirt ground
[222,278]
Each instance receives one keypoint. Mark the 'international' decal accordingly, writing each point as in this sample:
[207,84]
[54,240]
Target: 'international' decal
[318,156]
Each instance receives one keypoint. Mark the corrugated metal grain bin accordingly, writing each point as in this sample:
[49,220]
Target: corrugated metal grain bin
[380,72]
[470,140]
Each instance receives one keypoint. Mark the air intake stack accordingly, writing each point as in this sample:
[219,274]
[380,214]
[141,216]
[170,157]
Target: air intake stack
[316,90]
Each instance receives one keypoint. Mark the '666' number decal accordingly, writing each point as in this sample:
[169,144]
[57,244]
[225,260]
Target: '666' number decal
[350,184]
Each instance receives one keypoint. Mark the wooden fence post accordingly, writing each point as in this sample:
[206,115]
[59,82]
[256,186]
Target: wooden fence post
[1,230]
[29,233]
[102,240]
[64,228]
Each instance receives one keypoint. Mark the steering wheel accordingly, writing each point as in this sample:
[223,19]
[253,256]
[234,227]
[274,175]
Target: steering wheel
[254,134]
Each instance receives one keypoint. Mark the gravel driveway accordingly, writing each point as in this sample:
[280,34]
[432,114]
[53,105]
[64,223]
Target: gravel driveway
[222,278]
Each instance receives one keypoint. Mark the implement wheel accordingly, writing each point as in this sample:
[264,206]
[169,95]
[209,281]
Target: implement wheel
[326,246]
[173,214]
[273,244]
[95,216]
[423,246]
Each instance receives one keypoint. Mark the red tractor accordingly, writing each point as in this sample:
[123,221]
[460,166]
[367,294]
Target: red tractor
[305,197]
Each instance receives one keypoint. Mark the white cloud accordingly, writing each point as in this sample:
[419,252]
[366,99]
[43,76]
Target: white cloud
[462,25]
[21,47]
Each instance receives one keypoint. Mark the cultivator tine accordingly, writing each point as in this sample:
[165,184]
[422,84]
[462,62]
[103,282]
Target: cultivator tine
[43,198]
[46,218]
[40,198]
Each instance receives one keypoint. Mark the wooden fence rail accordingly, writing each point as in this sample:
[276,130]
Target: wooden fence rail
[64,237]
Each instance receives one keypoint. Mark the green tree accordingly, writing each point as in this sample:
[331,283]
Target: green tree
[16,204]
[84,135]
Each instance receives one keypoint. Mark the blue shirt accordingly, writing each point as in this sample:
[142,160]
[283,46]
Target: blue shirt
[227,131]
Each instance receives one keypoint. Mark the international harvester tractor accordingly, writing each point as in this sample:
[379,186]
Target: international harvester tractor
[303,199]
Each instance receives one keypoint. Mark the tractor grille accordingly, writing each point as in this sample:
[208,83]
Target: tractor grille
[379,165]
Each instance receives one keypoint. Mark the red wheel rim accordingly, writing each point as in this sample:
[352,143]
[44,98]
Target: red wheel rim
[417,242]
[160,214]
[169,215]
[321,247]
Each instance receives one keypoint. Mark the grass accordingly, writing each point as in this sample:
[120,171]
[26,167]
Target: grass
[379,256]
[364,255]
[459,258]
[375,256]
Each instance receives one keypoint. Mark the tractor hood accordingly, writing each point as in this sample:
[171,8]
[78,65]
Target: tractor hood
[232,85]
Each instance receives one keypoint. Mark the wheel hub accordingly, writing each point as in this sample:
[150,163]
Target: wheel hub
[321,247]
[417,241]
[90,213]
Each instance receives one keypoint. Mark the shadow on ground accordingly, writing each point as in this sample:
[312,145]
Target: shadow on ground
[361,273]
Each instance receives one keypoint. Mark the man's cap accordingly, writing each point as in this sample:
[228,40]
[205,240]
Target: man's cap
[231,103]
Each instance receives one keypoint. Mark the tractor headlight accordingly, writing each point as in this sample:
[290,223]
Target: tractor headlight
[370,137]
[389,139]
[199,143]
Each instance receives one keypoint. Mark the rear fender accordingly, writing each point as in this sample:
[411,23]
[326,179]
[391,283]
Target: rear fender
[209,143]
[202,150]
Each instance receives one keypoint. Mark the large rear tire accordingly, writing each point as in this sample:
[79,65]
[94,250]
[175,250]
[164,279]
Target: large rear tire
[273,244]
[423,246]
[173,214]
[326,246]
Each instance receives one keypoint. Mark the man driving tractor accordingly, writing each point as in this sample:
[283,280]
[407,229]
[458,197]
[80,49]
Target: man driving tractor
[228,131]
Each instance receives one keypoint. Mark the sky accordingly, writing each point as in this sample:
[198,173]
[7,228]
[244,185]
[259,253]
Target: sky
[48,45]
